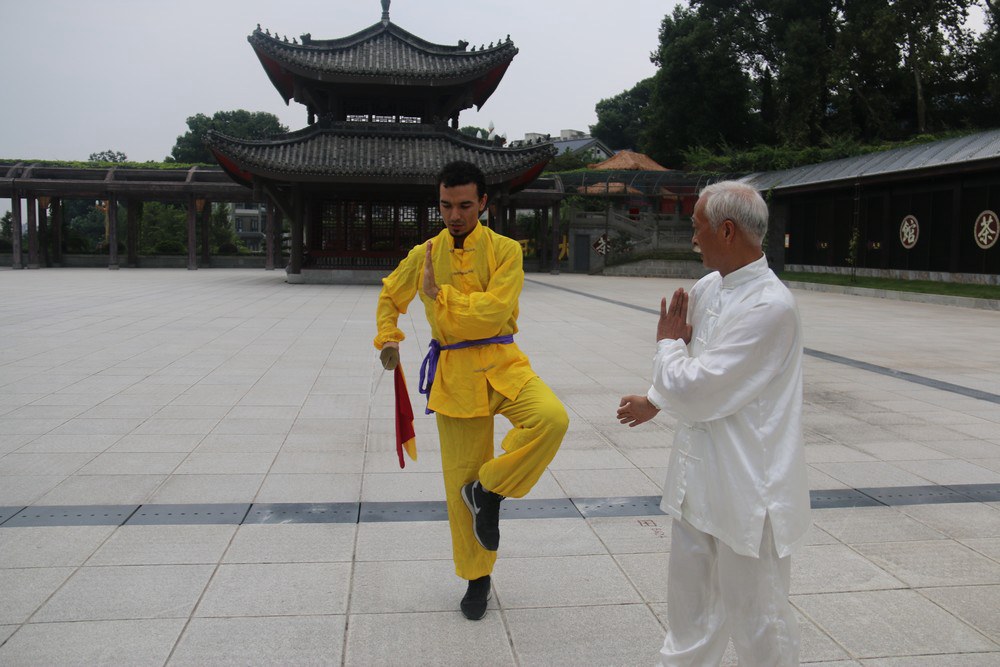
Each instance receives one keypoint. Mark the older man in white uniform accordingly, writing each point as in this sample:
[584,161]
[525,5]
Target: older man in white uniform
[736,485]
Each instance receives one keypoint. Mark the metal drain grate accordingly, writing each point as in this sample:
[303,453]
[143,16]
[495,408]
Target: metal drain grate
[71,515]
[165,515]
[832,498]
[984,493]
[8,512]
[543,508]
[420,510]
[916,495]
[303,513]
[622,506]
[433,510]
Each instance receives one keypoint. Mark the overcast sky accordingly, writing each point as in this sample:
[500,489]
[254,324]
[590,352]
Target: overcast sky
[82,76]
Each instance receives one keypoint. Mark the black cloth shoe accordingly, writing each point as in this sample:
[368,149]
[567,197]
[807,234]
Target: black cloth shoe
[474,602]
[485,508]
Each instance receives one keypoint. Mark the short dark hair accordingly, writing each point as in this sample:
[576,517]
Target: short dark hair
[461,173]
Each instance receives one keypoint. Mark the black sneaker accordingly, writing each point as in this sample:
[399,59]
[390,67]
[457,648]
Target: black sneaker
[485,508]
[474,602]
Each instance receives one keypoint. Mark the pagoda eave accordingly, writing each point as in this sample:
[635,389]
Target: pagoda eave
[373,153]
[284,75]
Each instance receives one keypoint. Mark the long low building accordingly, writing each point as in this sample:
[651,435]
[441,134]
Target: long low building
[926,211]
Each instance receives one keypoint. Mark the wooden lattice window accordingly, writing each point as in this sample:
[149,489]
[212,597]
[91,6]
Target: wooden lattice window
[344,226]
[434,221]
[408,228]
[383,223]
[380,227]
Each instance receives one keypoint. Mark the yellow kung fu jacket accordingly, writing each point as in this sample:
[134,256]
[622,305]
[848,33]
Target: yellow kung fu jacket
[479,287]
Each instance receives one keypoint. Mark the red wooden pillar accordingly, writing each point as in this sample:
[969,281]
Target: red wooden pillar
[32,233]
[17,262]
[192,242]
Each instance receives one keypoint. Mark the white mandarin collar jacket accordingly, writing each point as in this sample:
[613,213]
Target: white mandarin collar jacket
[736,391]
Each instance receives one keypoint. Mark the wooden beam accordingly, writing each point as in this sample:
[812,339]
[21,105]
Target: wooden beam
[282,201]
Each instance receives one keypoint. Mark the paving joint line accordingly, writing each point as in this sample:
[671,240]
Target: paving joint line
[434,510]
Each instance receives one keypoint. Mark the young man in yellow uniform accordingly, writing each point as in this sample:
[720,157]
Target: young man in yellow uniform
[468,278]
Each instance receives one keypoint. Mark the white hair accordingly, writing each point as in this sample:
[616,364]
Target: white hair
[739,202]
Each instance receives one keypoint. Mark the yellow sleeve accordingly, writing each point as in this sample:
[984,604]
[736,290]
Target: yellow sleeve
[398,290]
[483,314]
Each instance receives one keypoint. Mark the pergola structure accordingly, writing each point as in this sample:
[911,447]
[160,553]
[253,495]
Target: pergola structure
[357,184]
[44,187]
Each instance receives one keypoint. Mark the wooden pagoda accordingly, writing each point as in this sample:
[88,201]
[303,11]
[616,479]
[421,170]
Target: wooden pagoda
[358,182]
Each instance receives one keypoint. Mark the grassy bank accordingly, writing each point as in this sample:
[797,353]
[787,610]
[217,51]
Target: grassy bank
[919,286]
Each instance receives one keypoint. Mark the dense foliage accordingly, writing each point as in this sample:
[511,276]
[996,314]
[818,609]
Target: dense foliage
[572,160]
[763,84]
[241,124]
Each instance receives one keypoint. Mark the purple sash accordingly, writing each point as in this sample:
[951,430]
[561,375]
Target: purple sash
[428,369]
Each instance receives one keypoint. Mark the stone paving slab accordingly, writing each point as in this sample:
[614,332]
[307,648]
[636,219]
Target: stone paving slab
[236,387]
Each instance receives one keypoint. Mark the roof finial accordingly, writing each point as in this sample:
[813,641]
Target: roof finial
[385,11]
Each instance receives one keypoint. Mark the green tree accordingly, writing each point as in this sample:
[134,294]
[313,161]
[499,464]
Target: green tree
[571,160]
[701,95]
[984,82]
[933,36]
[7,232]
[86,231]
[223,234]
[620,118]
[866,76]
[241,124]
[108,156]
[163,229]
[802,36]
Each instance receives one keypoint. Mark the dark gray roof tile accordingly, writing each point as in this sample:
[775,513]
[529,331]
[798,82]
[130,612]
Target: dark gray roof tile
[981,146]
[347,152]
[382,50]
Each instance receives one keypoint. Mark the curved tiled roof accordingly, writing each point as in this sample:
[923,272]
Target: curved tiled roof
[374,153]
[379,53]
[629,160]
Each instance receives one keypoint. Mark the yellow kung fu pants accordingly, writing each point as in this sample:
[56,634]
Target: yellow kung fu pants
[539,423]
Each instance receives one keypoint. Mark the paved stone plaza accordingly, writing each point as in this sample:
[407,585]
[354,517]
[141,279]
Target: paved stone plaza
[198,467]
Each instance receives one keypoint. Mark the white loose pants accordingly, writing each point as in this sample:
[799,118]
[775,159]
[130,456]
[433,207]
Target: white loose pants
[714,593]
